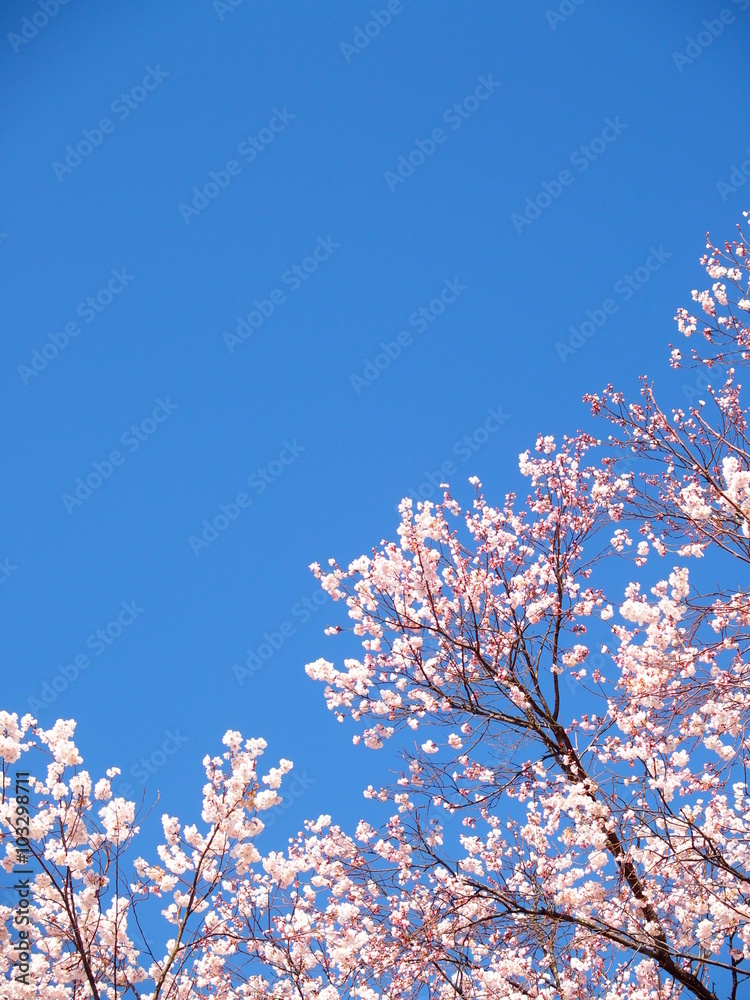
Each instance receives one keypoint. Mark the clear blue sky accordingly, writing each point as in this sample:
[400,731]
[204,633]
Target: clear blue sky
[115,120]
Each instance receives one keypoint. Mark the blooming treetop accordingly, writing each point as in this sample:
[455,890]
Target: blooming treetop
[573,819]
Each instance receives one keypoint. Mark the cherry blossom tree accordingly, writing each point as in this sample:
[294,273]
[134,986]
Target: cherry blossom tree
[569,690]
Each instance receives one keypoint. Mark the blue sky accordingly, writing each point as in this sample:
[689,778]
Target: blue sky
[213,218]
